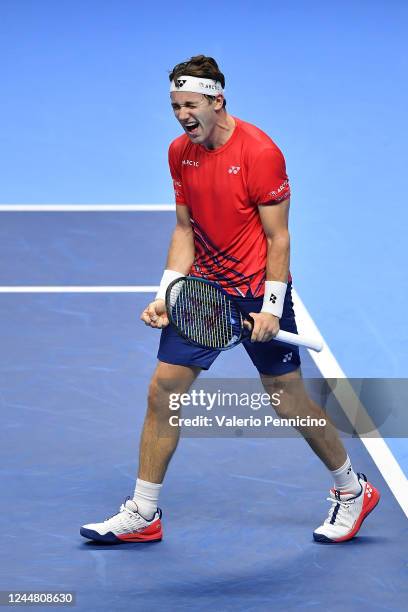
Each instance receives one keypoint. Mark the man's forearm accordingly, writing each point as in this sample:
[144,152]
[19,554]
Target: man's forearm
[181,251]
[278,257]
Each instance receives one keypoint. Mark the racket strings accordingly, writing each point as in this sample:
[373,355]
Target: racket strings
[204,314]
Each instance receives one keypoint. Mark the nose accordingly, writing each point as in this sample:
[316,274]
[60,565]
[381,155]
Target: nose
[183,114]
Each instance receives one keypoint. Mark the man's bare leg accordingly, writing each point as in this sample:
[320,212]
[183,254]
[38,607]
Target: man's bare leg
[138,519]
[351,503]
[324,441]
[159,439]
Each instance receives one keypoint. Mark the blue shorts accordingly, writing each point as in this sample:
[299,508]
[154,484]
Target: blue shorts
[273,357]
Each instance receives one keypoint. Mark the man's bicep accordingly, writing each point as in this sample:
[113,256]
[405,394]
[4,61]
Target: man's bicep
[275,217]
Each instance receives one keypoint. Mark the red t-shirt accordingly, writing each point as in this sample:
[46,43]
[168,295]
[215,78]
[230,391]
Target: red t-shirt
[223,189]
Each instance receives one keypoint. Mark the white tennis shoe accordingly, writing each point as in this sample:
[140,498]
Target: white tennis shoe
[347,513]
[125,526]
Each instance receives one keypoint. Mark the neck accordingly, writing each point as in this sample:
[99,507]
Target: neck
[222,131]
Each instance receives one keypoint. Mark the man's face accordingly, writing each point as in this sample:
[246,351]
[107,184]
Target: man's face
[196,114]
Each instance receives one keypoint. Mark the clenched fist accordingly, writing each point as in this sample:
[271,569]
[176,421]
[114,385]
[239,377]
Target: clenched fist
[155,314]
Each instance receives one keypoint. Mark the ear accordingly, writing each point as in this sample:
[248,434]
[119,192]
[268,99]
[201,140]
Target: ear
[218,102]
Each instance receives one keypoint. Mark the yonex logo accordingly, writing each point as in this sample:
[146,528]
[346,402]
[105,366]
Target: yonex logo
[190,162]
[273,298]
[181,82]
[234,169]
[287,357]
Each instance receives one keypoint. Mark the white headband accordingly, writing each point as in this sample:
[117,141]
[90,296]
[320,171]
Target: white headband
[208,87]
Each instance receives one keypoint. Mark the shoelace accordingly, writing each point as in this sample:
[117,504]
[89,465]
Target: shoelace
[342,511]
[123,508]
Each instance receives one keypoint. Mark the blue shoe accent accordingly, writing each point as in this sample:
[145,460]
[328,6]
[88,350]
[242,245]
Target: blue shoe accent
[319,537]
[108,538]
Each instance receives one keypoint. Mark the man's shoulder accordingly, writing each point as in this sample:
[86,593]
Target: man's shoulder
[178,145]
[255,139]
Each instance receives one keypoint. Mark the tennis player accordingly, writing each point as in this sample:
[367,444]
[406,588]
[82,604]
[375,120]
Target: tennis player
[232,205]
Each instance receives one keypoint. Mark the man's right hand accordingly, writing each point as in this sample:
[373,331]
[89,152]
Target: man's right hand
[155,314]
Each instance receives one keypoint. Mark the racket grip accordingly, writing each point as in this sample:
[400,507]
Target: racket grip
[310,343]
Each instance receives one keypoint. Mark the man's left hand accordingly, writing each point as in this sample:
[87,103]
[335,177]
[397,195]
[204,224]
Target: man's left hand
[266,326]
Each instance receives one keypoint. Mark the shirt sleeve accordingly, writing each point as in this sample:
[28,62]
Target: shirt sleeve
[175,172]
[268,182]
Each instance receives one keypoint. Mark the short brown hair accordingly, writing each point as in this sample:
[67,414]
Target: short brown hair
[199,66]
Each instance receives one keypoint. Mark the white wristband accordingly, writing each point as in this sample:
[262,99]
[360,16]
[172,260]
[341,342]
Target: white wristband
[274,297]
[167,278]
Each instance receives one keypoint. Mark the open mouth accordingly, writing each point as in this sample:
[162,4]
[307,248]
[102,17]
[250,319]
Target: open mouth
[191,127]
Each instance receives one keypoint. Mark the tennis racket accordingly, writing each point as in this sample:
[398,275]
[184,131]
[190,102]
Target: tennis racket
[207,316]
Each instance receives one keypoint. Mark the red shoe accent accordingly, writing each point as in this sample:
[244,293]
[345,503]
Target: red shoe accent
[369,503]
[151,533]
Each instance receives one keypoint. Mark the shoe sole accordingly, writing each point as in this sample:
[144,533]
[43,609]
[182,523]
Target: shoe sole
[319,537]
[111,538]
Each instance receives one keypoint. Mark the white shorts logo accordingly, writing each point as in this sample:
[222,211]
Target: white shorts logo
[287,357]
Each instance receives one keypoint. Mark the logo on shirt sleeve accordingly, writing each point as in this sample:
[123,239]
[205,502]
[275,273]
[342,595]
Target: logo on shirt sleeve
[280,189]
[177,187]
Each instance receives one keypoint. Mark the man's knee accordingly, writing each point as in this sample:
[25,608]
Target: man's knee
[168,379]
[293,399]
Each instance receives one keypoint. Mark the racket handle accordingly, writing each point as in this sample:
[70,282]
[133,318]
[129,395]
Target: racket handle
[310,343]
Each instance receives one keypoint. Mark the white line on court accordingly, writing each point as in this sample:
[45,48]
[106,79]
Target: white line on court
[375,444]
[325,361]
[78,289]
[86,207]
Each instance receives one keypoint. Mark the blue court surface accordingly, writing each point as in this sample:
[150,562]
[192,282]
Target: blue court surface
[88,122]
[238,513]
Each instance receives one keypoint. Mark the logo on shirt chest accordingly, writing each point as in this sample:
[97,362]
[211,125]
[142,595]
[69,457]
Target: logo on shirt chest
[234,169]
[190,162]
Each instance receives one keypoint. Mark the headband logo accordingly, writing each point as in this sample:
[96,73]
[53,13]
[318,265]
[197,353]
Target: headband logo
[208,86]
[181,82]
